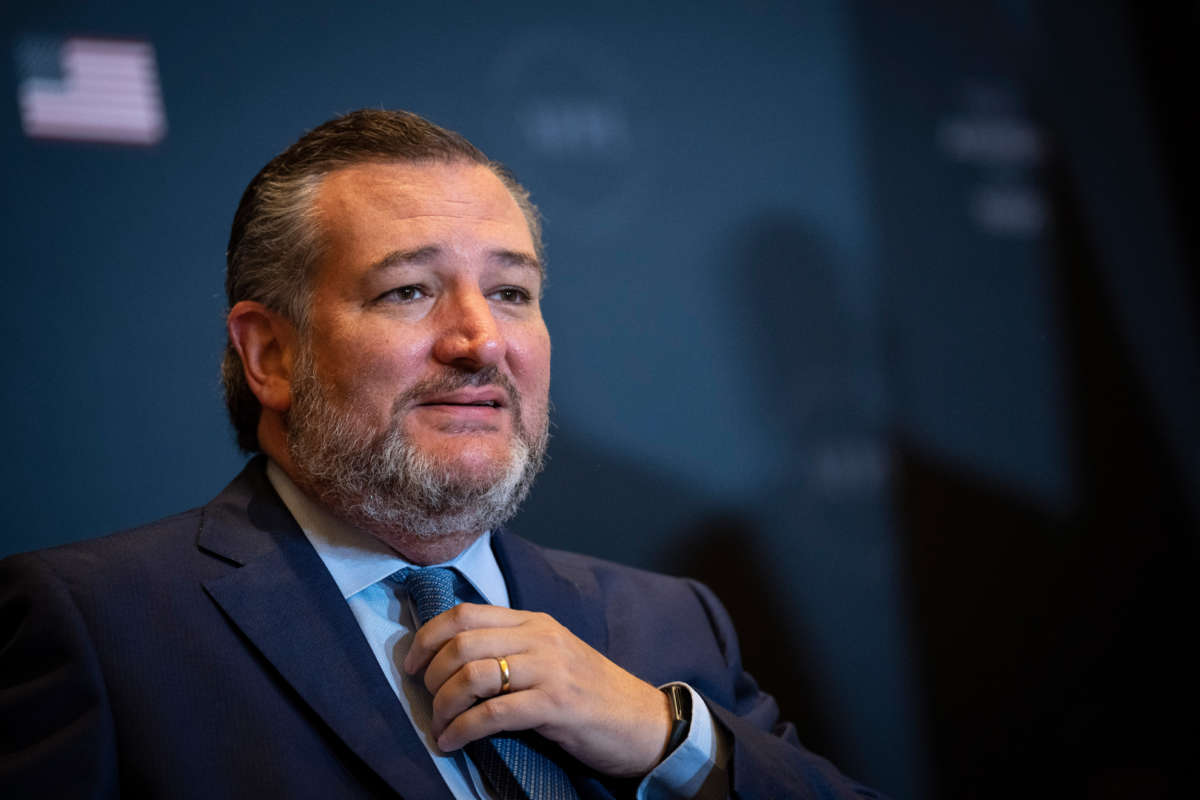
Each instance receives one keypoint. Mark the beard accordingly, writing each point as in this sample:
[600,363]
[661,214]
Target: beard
[380,481]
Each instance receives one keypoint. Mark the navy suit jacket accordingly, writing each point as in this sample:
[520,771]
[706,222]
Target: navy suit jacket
[211,655]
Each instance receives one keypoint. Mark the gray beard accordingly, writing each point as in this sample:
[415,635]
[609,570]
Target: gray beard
[382,483]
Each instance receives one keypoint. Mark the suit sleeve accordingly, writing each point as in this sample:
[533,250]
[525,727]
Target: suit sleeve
[56,732]
[767,760]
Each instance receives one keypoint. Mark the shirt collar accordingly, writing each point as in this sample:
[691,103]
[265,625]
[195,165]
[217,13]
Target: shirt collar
[356,559]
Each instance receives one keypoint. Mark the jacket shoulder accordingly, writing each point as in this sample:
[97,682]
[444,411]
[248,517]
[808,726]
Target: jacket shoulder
[159,548]
[611,578]
[115,548]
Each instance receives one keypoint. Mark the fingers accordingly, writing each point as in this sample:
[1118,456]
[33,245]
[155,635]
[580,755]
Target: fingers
[475,681]
[459,656]
[433,635]
[507,712]
[561,687]
[469,646]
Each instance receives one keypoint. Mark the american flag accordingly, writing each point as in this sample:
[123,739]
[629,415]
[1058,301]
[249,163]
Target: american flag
[95,90]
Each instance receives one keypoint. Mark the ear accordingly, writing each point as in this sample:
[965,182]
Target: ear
[267,343]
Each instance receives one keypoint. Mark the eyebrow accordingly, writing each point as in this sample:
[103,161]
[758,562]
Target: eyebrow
[430,253]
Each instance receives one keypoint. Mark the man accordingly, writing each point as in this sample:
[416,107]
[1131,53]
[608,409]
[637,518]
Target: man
[388,357]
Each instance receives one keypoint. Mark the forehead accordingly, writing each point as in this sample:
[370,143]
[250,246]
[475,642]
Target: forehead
[356,203]
[369,213]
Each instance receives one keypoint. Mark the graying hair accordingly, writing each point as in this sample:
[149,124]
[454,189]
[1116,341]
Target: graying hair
[380,481]
[275,241]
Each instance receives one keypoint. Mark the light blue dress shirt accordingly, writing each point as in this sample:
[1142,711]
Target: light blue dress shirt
[359,563]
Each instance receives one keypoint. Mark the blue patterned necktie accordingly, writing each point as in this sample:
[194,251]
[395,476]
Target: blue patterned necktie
[514,764]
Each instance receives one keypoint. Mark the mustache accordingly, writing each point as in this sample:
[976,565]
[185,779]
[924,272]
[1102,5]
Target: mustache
[452,380]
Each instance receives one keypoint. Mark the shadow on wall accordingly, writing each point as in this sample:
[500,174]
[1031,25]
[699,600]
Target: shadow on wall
[1049,643]
[815,537]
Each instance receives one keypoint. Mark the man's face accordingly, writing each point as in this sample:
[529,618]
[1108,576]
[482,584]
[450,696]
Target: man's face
[425,334]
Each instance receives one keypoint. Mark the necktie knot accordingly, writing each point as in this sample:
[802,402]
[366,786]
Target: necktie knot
[431,589]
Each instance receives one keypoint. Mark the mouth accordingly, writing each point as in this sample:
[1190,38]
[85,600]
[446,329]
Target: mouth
[487,397]
[491,404]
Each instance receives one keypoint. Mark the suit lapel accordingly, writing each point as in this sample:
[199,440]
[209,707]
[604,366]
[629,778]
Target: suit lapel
[537,584]
[284,601]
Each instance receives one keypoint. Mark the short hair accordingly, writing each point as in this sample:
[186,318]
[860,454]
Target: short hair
[275,242]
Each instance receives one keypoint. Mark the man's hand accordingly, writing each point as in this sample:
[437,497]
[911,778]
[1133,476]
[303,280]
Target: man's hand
[560,687]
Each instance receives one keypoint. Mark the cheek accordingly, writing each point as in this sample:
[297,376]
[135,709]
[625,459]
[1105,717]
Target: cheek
[372,368]
[529,359]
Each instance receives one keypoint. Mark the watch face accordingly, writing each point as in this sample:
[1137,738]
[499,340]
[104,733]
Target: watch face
[681,702]
[681,714]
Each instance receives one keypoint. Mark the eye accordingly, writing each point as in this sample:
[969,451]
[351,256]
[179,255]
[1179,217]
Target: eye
[404,294]
[511,294]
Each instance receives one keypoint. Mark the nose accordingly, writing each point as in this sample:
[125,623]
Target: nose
[468,336]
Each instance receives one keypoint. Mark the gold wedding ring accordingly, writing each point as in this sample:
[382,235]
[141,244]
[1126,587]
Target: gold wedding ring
[505,684]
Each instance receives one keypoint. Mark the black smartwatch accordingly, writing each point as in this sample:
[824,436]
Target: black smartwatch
[680,700]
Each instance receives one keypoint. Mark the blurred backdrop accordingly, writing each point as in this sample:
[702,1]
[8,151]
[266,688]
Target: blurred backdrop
[883,323]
